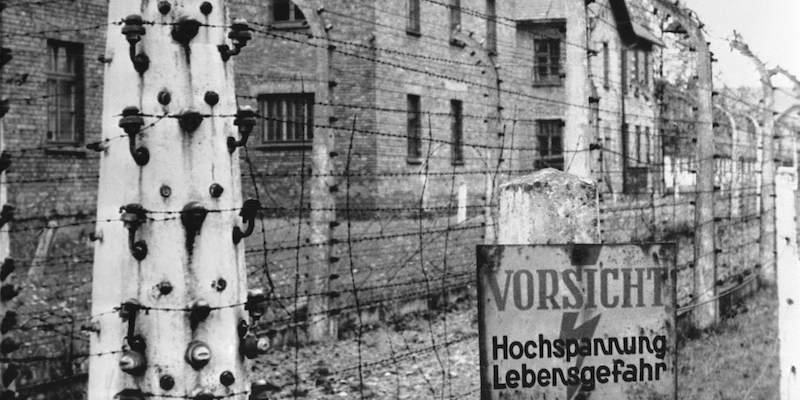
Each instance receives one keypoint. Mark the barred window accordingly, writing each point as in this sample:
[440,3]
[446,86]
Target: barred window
[288,118]
[455,14]
[491,26]
[635,171]
[286,11]
[549,136]
[413,23]
[414,129]
[65,92]
[606,66]
[623,66]
[547,60]
[456,110]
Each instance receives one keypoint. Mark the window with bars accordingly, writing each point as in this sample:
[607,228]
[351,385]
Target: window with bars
[606,66]
[414,130]
[550,134]
[635,170]
[623,70]
[456,111]
[491,26]
[455,14]
[547,60]
[285,12]
[65,92]
[288,118]
[413,23]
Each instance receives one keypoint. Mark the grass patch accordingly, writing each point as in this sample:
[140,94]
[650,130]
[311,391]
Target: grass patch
[737,358]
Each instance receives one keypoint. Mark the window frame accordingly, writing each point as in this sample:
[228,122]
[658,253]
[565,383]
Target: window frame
[269,116]
[293,22]
[491,26]
[623,65]
[54,80]
[635,172]
[553,56]
[455,15]
[606,66]
[457,131]
[414,129]
[414,18]
[552,156]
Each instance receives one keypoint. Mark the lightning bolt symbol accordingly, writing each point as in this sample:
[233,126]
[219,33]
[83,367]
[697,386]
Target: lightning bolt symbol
[570,331]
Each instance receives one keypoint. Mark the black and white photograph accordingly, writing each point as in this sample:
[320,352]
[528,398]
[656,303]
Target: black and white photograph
[399,199]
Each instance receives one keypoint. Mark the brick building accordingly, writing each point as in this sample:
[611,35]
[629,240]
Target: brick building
[447,87]
[419,102]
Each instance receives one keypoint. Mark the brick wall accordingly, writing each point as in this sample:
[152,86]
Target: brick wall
[47,177]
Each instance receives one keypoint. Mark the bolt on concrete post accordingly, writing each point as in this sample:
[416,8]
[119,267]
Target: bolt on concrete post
[169,280]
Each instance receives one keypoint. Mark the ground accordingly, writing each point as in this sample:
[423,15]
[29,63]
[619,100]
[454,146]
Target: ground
[738,359]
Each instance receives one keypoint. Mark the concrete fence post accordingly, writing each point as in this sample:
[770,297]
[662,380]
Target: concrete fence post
[788,276]
[767,244]
[548,207]
[704,267]
[169,301]
[9,290]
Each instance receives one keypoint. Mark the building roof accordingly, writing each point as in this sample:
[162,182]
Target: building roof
[631,32]
[643,33]
[540,10]
[548,10]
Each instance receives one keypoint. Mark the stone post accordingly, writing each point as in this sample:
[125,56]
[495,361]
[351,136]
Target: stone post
[788,276]
[548,207]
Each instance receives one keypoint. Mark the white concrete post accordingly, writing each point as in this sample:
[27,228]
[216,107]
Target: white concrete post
[169,283]
[494,116]
[767,244]
[788,276]
[548,207]
[7,314]
[576,132]
[734,170]
[705,274]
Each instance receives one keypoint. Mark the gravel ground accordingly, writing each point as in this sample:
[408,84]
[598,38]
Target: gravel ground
[738,359]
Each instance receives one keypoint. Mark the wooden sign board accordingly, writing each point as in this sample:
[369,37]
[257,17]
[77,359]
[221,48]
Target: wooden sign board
[577,321]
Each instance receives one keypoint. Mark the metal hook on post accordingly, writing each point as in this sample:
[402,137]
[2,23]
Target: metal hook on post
[134,215]
[5,161]
[132,361]
[239,36]
[245,120]
[132,123]
[7,214]
[248,214]
[133,31]
[256,305]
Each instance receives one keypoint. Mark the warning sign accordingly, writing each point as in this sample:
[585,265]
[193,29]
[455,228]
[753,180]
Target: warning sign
[577,321]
